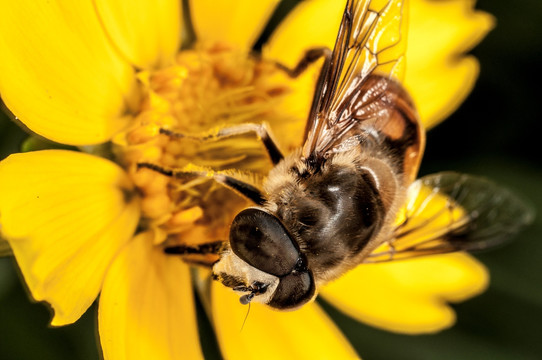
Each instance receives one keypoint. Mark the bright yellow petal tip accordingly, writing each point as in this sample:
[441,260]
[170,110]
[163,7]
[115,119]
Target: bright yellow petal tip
[237,22]
[307,333]
[439,76]
[65,214]
[60,74]
[408,296]
[148,33]
[147,308]
[309,25]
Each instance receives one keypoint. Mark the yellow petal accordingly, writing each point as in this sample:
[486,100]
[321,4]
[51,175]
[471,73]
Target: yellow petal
[438,76]
[237,22]
[408,296]
[60,75]
[66,215]
[311,24]
[148,33]
[147,307]
[307,333]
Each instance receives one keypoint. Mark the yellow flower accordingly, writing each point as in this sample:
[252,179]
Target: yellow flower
[87,73]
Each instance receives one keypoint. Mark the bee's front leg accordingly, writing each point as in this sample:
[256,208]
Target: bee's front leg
[225,178]
[199,249]
[205,254]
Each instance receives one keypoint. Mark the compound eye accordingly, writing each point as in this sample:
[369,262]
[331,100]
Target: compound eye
[261,240]
[293,291]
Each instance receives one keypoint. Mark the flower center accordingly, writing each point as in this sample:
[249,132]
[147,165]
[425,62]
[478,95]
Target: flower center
[206,89]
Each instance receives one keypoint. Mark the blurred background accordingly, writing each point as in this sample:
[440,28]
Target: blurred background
[494,134]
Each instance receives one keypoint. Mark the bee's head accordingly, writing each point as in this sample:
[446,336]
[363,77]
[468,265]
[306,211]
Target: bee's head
[263,262]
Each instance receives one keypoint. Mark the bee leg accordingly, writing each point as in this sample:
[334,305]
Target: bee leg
[310,56]
[392,249]
[205,254]
[245,189]
[212,247]
[261,131]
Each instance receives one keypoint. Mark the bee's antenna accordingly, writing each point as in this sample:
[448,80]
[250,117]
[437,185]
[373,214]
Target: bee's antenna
[245,300]
[246,317]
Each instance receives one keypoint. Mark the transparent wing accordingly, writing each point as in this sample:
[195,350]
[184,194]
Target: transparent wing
[448,212]
[370,45]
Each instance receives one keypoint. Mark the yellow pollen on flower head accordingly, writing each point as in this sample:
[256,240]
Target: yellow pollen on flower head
[208,88]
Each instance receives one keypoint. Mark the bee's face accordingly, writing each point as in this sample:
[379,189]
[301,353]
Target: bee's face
[263,262]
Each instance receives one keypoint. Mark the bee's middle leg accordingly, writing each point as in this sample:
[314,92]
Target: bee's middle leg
[261,131]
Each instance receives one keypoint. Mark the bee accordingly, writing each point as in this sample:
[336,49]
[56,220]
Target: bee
[348,196]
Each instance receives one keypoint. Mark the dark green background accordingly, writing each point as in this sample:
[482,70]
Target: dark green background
[495,133]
